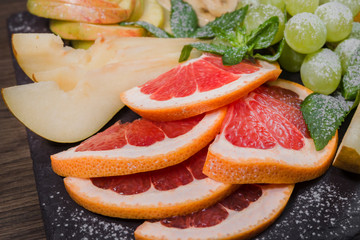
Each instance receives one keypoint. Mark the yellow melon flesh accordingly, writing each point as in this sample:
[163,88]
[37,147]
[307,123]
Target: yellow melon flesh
[74,99]
[348,155]
[43,52]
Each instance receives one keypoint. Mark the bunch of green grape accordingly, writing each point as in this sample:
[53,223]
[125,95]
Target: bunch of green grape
[320,36]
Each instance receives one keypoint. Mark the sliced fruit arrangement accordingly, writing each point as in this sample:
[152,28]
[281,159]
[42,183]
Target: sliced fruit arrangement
[264,139]
[172,191]
[76,85]
[242,215]
[95,11]
[150,11]
[348,154]
[90,31]
[139,146]
[197,86]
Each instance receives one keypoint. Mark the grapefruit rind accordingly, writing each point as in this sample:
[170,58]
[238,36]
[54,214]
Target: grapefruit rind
[152,204]
[238,225]
[199,102]
[230,164]
[132,159]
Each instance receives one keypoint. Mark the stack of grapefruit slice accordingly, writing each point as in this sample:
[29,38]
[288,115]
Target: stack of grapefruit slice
[155,169]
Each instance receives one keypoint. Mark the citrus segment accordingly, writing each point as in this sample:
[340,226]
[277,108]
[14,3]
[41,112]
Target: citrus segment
[197,86]
[147,147]
[157,194]
[242,215]
[264,141]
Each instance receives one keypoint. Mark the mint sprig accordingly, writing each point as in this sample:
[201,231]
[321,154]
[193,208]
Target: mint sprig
[236,44]
[157,32]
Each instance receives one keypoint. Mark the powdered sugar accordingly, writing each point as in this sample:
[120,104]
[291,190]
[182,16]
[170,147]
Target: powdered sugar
[323,209]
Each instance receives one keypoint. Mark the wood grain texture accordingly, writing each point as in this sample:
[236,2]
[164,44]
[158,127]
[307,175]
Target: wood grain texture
[20,216]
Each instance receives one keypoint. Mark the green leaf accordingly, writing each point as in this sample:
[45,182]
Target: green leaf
[272,58]
[323,115]
[351,80]
[205,47]
[234,55]
[227,21]
[157,32]
[264,34]
[183,19]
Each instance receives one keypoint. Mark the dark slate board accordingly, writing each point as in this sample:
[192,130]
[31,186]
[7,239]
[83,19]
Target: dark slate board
[324,208]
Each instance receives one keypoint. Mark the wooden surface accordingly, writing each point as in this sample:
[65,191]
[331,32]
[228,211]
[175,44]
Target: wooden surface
[20,216]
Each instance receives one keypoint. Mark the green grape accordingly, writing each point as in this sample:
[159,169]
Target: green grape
[290,60]
[338,19]
[305,33]
[256,15]
[251,3]
[294,7]
[321,71]
[355,32]
[280,4]
[344,50]
[354,5]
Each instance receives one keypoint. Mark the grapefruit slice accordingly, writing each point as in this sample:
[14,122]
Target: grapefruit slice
[264,139]
[175,190]
[242,215]
[139,146]
[197,86]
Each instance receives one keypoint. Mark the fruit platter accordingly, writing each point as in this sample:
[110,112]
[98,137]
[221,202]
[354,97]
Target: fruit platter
[160,120]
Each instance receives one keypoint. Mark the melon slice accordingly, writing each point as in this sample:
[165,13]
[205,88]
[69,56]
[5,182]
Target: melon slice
[348,154]
[264,139]
[242,215]
[139,146]
[77,85]
[43,52]
[176,190]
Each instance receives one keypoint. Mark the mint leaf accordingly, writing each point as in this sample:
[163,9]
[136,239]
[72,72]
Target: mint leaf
[227,21]
[157,32]
[323,115]
[234,55]
[205,47]
[351,80]
[183,19]
[272,58]
[264,34]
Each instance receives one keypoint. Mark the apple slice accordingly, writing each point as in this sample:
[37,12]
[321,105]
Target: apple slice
[43,52]
[70,103]
[94,11]
[89,31]
[81,44]
[153,13]
[138,11]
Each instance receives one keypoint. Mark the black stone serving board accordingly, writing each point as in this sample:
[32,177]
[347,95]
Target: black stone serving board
[325,208]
